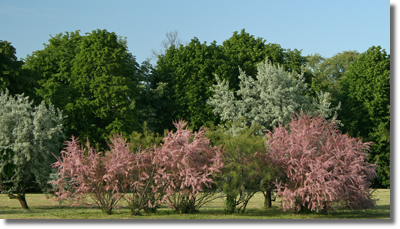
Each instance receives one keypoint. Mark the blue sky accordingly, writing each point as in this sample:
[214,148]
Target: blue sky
[325,27]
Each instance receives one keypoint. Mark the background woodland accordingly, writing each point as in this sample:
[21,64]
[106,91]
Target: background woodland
[233,102]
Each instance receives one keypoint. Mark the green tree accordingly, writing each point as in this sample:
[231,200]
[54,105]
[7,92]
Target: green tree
[366,106]
[30,136]
[319,81]
[53,65]
[12,76]
[245,51]
[10,66]
[154,102]
[327,73]
[93,79]
[189,71]
[172,38]
[244,172]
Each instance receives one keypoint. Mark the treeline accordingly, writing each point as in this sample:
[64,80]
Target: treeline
[100,89]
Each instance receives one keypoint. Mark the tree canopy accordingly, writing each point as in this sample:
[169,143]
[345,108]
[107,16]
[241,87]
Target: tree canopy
[102,90]
[366,106]
[327,73]
[189,71]
[93,78]
[12,76]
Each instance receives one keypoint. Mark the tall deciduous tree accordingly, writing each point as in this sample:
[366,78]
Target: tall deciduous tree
[366,112]
[54,64]
[13,77]
[154,102]
[93,79]
[245,51]
[9,65]
[327,73]
[28,137]
[172,39]
[189,71]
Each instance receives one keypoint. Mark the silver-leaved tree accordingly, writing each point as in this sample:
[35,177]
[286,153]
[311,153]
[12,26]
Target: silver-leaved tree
[272,97]
[28,137]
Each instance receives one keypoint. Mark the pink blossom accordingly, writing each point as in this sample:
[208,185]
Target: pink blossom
[324,168]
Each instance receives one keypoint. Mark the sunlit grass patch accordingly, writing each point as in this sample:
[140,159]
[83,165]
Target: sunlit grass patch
[42,208]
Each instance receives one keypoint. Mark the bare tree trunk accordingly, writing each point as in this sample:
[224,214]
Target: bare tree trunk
[21,199]
[267,198]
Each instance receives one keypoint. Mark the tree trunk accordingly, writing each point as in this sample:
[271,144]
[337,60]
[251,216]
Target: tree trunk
[267,199]
[21,199]
[230,204]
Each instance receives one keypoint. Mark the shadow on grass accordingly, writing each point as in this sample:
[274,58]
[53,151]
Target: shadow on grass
[383,207]
[380,212]
[9,212]
[67,212]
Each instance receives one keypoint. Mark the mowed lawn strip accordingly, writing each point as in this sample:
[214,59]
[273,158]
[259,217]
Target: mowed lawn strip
[42,208]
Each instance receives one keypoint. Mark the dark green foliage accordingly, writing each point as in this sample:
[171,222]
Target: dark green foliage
[244,51]
[189,72]
[108,86]
[154,102]
[366,106]
[5,158]
[93,79]
[54,65]
[13,77]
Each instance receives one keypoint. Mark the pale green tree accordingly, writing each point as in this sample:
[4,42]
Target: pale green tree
[272,97]
[29,136]
[327,73]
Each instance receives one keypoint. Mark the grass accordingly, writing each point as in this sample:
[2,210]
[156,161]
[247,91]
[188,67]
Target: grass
[42,208]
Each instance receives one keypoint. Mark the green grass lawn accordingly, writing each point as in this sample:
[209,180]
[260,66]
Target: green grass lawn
[42,208]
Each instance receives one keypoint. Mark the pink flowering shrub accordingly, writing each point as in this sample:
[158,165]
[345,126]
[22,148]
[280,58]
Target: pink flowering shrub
[104,177]
[185,165]
[137,184]
[325,169]
[178,171]
[82,176]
